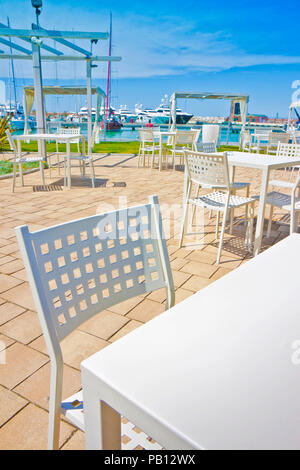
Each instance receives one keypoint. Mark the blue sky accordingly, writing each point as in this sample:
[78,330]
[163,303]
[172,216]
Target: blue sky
[219,46]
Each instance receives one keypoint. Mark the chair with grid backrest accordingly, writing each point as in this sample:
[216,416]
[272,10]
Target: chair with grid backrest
[66,131]
[148,147]
[291,175]
[19,159]
[183,140]
[211,170]
[275,138]
[80,268]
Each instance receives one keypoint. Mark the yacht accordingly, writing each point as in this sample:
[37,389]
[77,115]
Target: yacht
[161,114]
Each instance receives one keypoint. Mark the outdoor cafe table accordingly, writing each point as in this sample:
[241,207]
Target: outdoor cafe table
[265,163]
[61,138]
[220,370]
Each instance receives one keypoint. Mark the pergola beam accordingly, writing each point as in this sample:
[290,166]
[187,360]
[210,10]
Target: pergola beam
[43,46]
[66,43]
[15,46]
[50,58]
[52,34]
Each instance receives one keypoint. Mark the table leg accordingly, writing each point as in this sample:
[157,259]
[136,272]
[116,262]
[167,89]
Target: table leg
[261,211]
[160,153]
[83,153]
[69,164]
[102,423]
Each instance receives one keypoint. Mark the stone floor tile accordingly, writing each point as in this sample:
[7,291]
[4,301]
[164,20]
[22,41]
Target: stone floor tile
[8,311]
[10,404]
[104,325]
[24,328]
[146,310]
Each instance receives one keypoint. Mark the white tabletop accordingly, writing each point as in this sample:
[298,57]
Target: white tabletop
[49,136]
[217,368]
[260,161]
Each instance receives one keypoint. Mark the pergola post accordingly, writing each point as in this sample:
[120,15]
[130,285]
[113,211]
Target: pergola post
[89,102]
[39,97]
[173,111]
[244,120]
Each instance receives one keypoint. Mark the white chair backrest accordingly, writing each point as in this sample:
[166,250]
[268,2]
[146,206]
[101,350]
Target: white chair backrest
[288,150]
[146,135]
[11,142]
[276,137]
[207,147]
[207,168]
[185,137]
[70,131]
[80,268]
[246,139]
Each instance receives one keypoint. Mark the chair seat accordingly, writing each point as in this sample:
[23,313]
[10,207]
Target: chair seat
[282,184]
[282,200]
[240,185]
[72,409]
[217,201]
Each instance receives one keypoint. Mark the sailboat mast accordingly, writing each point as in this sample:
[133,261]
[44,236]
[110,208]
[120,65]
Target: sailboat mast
[109,70]
[12,69]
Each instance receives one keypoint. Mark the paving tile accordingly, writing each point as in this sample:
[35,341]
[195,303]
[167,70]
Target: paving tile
[24,328]
[180,278]
[146,310]
[36,387]
[199,269]
[196,283]
[132,325]
[104,325]
[21,361]
[80,345]
[21,295]
[7,282]
[77,442]
[10,404]
[12,266]
[124,307]
[29,430]
[20,275]
[219,273]
[8,311]
[5,342]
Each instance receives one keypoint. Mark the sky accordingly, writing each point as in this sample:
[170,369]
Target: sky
[221,46]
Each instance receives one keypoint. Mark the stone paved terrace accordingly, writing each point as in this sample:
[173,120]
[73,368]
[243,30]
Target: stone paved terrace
[24,380]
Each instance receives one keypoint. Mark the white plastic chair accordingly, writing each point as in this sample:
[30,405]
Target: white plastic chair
[286,202]
[181,141]
[66,131]
[148,147]
[247,143]
[212,169]
[274,139]
[19,159]
[79,268]
[210,147]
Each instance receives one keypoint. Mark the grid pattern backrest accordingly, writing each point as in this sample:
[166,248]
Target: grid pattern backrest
[207,168]
[146,135]
[88,265]
[288,150]
[11,142]
[70,131]
[207,147]
[276,137]
[185,137]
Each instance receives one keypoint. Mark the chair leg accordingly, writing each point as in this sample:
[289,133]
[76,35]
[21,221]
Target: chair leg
[184,216]
[217,224]
[231,221]
[21,175]
[292,223]
[42,172]
[65,172]
[194,206]
[270,222]
[92,173]
[55,407]
[14,176]
[225,215]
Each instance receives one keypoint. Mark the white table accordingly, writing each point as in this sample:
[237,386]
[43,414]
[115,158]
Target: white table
[61,138]
[265,163]
[214,372]
[160,135]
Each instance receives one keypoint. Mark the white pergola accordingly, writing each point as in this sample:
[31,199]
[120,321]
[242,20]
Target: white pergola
[294,105]
[28,98]
[234,98]
[36,38]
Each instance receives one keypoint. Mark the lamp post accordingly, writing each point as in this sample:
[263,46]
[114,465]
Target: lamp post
[38,82]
